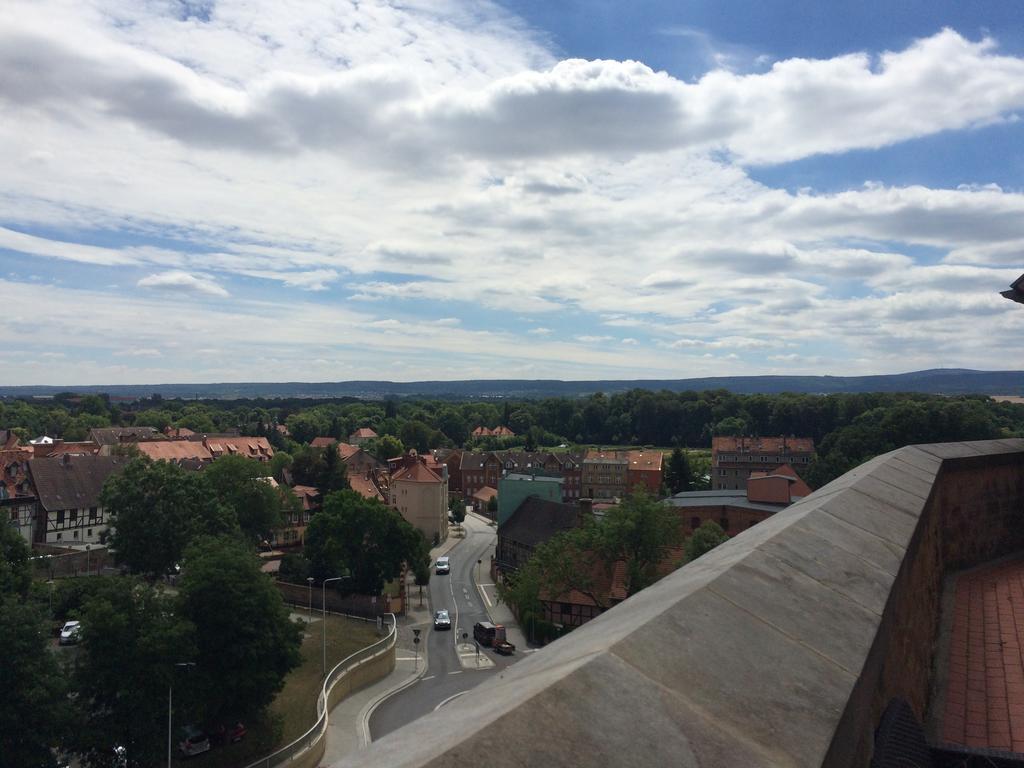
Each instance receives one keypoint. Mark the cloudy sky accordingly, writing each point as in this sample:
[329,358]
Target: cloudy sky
[212,190]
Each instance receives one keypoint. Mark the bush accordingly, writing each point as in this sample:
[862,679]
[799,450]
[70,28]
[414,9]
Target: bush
[294,569]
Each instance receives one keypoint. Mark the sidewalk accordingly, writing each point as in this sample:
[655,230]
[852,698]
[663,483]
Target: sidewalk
[497,610]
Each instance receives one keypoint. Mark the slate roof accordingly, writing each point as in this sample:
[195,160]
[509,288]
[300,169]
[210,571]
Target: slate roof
[72,482]
[115,435]
[536,520]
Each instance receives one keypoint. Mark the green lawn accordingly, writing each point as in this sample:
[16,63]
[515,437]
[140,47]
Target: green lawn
[294,709]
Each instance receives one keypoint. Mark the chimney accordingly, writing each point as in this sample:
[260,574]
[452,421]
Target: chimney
[65,459]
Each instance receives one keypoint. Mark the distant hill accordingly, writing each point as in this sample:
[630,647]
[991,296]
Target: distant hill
[947,381]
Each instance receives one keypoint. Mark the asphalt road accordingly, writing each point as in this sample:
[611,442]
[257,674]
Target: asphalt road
[445,677]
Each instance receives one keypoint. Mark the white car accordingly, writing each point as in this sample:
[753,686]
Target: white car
[71,632]
[443,565]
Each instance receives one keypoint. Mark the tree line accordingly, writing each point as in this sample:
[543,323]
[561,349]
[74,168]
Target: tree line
[846,428]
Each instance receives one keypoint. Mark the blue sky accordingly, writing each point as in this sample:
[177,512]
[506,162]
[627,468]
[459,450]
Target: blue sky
[231,191]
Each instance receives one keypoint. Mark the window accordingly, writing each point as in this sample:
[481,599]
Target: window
[60,517]
[93,512]
[74,516]
[89,534]
[14,515]
[724,522]
[60,536]
[694,523]
[76,534]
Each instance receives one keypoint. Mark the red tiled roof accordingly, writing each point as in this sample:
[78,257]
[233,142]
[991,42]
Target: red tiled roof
[365,487]
[347,451]
[85,448]
[485,494]
[647,461]
[762,444]
[322,442]
[416,473]
[364,432]
[174,450]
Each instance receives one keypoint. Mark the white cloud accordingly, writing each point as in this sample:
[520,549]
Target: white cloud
[178,281]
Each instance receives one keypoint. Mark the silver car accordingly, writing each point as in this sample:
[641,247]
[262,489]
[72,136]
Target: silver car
[442,620]
[71,632]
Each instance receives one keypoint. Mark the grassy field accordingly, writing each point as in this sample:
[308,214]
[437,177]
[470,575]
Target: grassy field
[294,710]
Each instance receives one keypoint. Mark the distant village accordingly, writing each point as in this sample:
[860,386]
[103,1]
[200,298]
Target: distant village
[51,489]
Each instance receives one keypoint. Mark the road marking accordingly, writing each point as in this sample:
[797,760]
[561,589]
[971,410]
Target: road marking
[428,677]
[450,698]
[406,658]
[486,585]
[486,598]
[456,672]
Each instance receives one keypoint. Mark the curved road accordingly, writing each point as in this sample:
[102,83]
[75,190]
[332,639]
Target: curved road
[445,677]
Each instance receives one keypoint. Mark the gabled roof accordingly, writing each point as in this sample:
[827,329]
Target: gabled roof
[364,486]
[415,473]
[115,435]
[536,520]
[85,448]
[72,482]
[596,456]
[322,442]
[485,494]
[363,432]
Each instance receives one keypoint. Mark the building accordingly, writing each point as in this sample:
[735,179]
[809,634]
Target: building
[533,522]
[645,469]
[515,487]
[605,474]
[17,495]
[482,498]
[108,437]
[293,532]
[421,496]
[68,509]
[361,435]
[500,431]
[734,458]
[176,451]
[478,470]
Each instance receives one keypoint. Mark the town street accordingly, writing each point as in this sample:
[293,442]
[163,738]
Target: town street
[451,670]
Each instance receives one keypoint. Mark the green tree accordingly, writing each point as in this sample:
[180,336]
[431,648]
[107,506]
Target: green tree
[678,477]
[416,434]
[294,569]
[334,474]
[156,509]
[386,447]
[279,462]
[641,531]
[131,640]
[458,509]
[15,572]
[492,505]
[241,487]
[704,539]
[362,537]
[35,714]
[246,643]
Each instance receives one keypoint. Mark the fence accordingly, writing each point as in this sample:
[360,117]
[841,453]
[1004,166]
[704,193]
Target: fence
[310,745]
[56,562]
[366,606]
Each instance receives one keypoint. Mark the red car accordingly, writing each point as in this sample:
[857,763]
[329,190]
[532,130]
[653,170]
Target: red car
[232,733]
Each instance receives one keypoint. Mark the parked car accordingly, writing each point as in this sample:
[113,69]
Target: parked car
[442,620]
[193,741]
[70,633]
[230,733]
[443,565]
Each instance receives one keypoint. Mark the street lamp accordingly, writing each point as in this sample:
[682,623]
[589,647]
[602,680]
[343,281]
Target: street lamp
[323,628]
[309,619]
[170,703]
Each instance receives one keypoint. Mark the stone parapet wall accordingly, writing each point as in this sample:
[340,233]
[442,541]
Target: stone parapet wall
[778,648]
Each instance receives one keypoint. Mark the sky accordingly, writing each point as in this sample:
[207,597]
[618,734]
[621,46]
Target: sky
[217,191]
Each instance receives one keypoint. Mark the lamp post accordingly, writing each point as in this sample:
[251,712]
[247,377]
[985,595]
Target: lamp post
[170,703]
[323,628]
[309,615]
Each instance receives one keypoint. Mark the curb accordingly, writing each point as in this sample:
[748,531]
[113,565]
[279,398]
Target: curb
[367,712]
